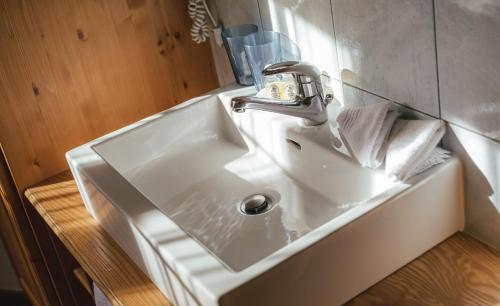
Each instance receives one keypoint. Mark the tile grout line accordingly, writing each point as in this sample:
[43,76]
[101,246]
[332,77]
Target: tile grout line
[382,97]
[335,40]
[477,133]
[260,15]
[434,20]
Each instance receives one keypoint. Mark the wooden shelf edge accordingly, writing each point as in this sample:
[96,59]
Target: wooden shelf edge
[144,292]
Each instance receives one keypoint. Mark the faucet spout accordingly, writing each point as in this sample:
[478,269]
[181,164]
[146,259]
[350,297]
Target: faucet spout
[307,108]
[240,104]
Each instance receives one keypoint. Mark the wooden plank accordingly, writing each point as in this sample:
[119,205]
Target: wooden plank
[459,271]
[20,117]
[21,244]
[59,203]
[73,70]
[191,59]
[69,265]
[84,280]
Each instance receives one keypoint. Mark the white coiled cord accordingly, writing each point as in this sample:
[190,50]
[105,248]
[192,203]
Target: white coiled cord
[198,11]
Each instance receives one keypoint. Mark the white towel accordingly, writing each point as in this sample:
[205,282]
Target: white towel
[412,147]
[366,130]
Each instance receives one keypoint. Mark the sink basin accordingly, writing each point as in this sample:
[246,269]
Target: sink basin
[171,191]
[197,174]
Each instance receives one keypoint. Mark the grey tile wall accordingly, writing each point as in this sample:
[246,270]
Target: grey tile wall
[387,47]
[309,24]
[234,12]
[353,96]
[440,57]
[468,43]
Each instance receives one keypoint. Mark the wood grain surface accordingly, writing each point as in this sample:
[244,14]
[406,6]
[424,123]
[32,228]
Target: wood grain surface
[459,271]
[74,70]
[123,283]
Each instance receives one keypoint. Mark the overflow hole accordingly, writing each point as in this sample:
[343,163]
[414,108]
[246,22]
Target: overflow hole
[294,144]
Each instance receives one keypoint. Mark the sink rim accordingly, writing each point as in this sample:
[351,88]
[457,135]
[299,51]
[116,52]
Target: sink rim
[171,256]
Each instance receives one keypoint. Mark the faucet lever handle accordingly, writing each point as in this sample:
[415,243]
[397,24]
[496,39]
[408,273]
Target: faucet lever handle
[306,75]
[294,67]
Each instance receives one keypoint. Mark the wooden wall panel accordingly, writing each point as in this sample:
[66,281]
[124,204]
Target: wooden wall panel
[73,70]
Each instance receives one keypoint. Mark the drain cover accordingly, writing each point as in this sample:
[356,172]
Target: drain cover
[255,204]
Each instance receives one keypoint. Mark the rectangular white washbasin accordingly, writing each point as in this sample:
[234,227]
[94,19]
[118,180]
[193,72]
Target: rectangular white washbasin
[169,190]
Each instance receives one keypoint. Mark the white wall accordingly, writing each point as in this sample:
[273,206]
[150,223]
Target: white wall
[440,58]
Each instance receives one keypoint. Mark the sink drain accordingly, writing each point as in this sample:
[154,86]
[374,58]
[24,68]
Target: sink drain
[256,204]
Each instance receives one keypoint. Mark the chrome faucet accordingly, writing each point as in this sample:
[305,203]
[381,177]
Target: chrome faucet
[309,103]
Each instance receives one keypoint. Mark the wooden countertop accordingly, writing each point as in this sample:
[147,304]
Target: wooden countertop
[122,282]
[459,271]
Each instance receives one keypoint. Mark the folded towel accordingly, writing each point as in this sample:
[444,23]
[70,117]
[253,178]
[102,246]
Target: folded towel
[412,147]
[438,156]
[366,130]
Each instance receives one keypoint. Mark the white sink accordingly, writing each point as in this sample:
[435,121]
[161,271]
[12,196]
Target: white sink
[169,190]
